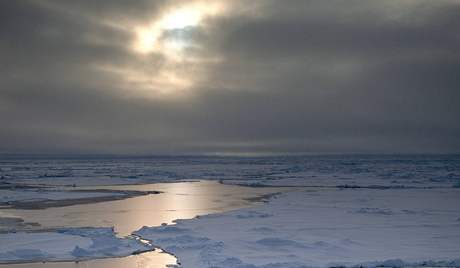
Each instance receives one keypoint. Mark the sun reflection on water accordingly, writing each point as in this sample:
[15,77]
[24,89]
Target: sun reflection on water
[182,200]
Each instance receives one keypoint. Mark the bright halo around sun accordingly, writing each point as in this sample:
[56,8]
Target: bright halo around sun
[182,18]
[178,61]
[149,38]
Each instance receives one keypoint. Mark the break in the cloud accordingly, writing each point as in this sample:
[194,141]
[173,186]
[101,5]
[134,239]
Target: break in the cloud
[229,76]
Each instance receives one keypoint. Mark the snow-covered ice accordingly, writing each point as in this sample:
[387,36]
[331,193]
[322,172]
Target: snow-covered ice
[323,228]
[66,245]
[332,170]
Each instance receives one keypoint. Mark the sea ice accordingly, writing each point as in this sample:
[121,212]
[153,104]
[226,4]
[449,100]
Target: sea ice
[323,228]
[66,245]
[351,210]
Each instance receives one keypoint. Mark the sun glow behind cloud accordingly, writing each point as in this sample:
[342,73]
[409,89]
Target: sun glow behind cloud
[168,36]
[182,18]
[149,37]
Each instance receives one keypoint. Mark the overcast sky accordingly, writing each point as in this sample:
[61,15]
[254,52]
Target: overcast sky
[154,77]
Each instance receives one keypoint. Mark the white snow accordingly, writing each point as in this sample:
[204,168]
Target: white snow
[323,228]
[65,245]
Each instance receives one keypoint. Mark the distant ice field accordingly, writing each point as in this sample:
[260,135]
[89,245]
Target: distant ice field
[324,170]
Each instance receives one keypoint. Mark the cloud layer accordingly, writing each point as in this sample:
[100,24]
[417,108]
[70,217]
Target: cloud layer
[264,76]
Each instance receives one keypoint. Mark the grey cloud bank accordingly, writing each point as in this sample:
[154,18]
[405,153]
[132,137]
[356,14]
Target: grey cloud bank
[292,76]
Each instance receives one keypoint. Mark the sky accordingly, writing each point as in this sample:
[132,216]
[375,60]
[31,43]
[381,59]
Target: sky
[236,76]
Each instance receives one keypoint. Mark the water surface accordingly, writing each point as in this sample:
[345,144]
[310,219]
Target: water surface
[183,200]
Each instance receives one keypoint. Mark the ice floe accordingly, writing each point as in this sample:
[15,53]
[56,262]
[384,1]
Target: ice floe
[66,245]
[323,228]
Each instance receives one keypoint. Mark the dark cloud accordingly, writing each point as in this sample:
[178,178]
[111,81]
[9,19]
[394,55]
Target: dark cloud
[293,76]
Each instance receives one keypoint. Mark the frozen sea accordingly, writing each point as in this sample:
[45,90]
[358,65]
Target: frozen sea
[336,210]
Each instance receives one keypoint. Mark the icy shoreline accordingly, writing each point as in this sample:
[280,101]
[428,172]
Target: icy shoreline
[306,228]
[190,199]
[331,228]
[67,244]
[37,198]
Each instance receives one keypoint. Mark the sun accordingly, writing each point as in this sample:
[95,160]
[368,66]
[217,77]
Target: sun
[168,37]
[149,37]
[182,18]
